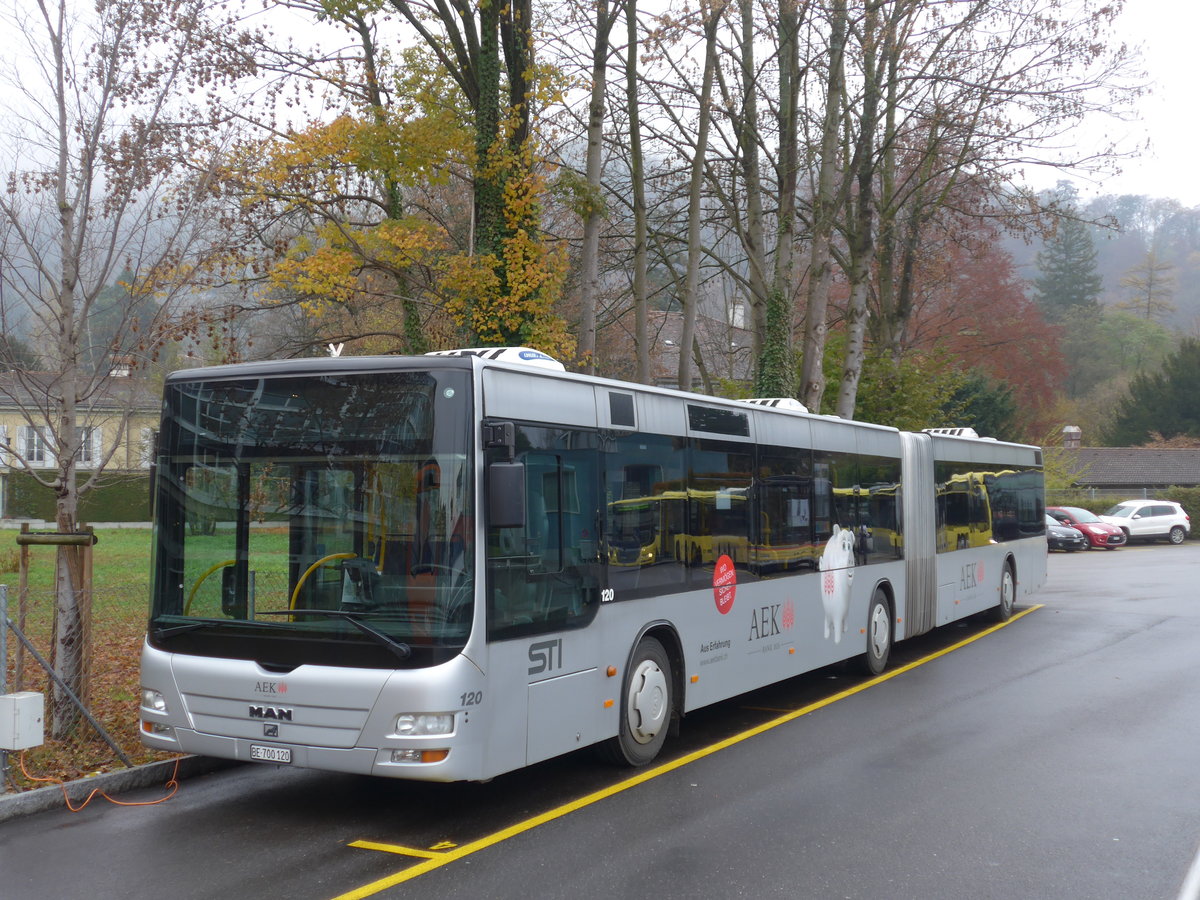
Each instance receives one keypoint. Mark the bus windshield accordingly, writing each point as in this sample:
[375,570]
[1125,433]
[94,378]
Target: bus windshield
[316,519]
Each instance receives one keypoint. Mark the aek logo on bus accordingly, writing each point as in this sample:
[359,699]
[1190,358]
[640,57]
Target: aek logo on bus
[971,577]
[767,621]
[270,687]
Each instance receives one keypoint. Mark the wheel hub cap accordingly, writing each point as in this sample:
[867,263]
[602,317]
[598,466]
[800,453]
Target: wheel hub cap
[879,632]
[647,702]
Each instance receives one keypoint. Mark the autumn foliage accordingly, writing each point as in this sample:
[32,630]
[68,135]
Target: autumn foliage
[976,310]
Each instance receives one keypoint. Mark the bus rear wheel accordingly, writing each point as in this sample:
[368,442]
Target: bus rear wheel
[879,635]
[1003,610]
[647,704]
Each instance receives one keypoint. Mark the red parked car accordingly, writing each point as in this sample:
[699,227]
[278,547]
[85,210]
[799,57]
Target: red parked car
[1099,534]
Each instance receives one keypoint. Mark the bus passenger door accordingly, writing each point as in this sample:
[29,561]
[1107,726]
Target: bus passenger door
[544,591]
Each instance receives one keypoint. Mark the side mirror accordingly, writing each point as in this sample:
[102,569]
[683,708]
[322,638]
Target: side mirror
[506,495]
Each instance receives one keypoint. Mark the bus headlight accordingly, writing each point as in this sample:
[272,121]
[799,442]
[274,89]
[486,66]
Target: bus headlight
[153,700]
[415,724]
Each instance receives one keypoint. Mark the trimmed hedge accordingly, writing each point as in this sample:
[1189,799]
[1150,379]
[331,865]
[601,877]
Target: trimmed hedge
[118,497]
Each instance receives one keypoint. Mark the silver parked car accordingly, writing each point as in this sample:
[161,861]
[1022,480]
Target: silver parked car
[1150,520]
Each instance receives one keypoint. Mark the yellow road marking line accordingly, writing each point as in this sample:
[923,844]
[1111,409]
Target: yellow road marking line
[395,848]
[436,861]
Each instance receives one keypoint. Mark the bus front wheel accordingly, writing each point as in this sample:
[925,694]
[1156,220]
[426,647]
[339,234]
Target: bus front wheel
[647,704]
[1003,610]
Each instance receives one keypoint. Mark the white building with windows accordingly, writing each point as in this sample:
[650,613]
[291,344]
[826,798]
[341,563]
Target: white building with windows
[118,422]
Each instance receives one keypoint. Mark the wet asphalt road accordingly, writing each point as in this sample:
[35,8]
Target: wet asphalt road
[1055,757]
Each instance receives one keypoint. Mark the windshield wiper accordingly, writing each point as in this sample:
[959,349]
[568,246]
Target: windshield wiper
[160,632]
[400,649]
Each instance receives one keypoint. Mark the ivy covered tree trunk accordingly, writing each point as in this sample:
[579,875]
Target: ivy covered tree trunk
[776,376]
[503,288]
[489,173]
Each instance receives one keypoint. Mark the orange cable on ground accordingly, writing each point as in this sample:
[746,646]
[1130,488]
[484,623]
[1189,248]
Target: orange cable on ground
[173,784]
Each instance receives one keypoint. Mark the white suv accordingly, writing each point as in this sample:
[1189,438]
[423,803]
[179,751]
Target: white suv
[1150,519]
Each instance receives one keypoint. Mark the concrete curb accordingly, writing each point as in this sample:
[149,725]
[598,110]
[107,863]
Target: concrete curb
[27,803]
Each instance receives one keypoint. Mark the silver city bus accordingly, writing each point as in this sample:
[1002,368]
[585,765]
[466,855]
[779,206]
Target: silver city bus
[452,566]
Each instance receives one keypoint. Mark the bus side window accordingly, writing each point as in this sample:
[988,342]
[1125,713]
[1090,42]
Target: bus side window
[719,479]
[784,491]
[645,508]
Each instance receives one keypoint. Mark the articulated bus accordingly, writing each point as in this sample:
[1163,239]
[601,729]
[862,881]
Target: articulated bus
[451,566]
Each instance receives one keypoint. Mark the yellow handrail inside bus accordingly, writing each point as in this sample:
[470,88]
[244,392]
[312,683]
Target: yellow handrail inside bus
[320,562]
[187,607]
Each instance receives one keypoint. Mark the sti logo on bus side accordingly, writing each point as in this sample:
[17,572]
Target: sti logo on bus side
[279,713]
[542,655]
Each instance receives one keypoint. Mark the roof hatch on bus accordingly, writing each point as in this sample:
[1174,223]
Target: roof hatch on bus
[521,355]
[791,404]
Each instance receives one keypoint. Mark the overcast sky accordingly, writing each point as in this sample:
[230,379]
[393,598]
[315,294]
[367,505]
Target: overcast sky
[1168,31]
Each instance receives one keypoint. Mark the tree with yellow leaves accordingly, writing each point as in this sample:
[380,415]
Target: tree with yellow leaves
[379,235]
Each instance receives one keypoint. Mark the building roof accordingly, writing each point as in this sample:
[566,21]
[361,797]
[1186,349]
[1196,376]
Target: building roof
[30,390]
[1130,466]
[725,348]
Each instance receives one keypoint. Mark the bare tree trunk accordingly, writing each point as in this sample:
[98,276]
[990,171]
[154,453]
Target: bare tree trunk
[860,233]
[886,241]
[776,369]
[594,215]
[812,378]
[69,650]
[689,296]
[637,177]
[753,238]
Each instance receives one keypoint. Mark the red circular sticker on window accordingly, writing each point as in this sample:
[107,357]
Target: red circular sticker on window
[724,584]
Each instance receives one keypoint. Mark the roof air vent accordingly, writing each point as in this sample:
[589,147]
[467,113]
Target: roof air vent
[954,432]
[789,403]
[520,355]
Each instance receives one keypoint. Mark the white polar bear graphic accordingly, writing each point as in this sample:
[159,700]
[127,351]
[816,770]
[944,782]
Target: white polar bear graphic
[837,572]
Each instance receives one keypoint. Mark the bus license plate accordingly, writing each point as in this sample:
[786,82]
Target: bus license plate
[270,754]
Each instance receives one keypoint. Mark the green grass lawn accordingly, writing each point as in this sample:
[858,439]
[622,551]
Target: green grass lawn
[121,557]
